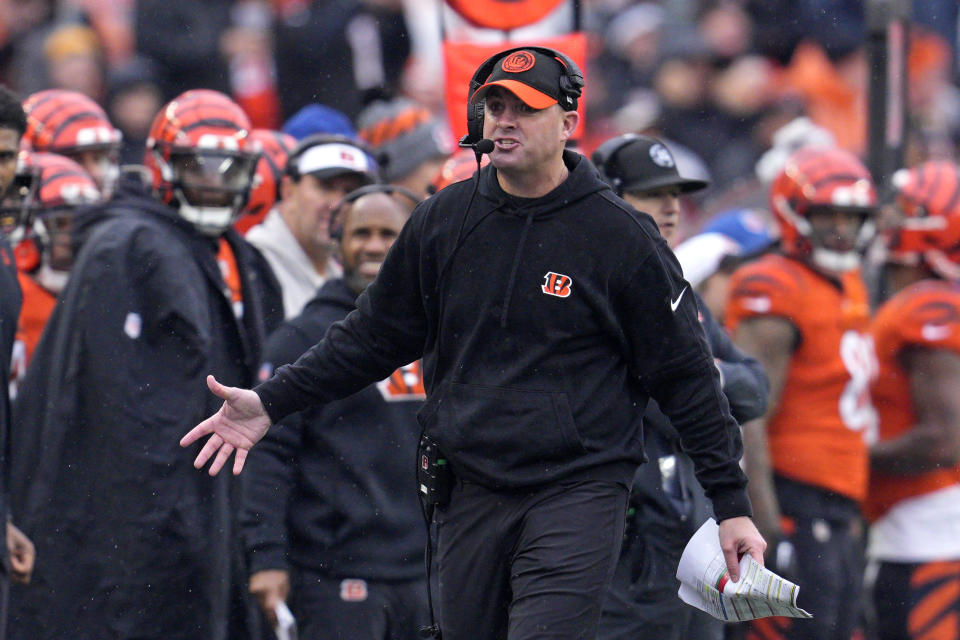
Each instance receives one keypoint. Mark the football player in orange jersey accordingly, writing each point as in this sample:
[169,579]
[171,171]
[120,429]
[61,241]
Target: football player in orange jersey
[73,125]
[914,496]
[44,253]
[804,315]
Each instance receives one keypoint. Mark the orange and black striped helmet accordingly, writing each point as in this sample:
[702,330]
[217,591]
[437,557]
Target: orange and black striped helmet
[202,158]
[67,122]
[928,199]
[275,148]
[71,124]
[62,182]
[816,178]
[59,186]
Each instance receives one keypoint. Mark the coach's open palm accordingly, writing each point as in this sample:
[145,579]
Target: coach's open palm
[237,426]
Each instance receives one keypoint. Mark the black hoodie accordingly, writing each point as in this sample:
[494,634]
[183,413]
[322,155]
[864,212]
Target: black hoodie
[545,326]
[334,488]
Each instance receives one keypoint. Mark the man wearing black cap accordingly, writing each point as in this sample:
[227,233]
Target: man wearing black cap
[547,313]
[667,504]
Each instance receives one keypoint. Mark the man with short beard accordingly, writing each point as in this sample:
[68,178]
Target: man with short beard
[329,518]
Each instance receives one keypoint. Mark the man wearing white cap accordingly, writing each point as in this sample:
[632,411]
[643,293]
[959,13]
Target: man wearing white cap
[294,237]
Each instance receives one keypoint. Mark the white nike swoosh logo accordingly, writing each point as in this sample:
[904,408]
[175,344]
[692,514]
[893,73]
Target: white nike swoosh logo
[676,303]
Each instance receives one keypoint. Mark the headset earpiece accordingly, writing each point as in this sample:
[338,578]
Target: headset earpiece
[475,121]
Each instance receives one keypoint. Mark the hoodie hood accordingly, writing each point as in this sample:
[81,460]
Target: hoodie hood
[131,197]
[582,182]
[334,293]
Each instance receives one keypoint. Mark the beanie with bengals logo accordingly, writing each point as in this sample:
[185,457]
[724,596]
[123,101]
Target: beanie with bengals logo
[405,135]
[531,75]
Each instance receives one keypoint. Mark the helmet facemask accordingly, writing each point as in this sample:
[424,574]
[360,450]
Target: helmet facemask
[839,236]
[210,187]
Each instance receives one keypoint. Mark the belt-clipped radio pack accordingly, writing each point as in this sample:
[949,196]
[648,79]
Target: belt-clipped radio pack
[433,473]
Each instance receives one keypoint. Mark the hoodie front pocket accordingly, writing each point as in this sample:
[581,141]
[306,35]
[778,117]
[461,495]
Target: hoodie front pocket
[502,430]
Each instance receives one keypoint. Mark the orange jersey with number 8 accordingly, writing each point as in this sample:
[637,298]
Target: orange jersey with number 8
[817,433]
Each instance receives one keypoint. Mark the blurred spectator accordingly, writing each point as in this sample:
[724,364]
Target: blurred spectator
[837,26]
[248,49]
[337,52]
[183,39]
[133,99]
[727,30]
[111,19]
[631,48]
[329,521]
[709,258]
[691,114]
[934,100]
[834,89]
[75,61]
[294,237]
[317,118]
[939,16]
[410,143]
[23,28]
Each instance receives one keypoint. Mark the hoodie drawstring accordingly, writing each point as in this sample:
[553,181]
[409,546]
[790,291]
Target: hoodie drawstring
[514,268]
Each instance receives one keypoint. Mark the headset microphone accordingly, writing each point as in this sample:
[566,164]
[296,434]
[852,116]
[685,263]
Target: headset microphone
[482,146]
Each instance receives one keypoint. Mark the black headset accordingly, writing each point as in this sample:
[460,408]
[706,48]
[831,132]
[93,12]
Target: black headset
[571,86]
[320,139]
[603,159]
[336,225]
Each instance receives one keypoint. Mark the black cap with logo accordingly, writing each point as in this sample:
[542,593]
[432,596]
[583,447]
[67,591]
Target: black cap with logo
[531,75]
[634,163]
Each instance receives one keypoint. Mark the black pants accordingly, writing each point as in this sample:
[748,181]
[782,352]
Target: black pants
[336,609]
[4,596]
[525,565]
[826,532]
[667,507]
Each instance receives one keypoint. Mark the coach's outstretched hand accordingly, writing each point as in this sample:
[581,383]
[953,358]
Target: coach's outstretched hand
[237,426]
[738,536]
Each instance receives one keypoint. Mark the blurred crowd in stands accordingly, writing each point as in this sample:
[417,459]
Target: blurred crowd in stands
[715,78]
